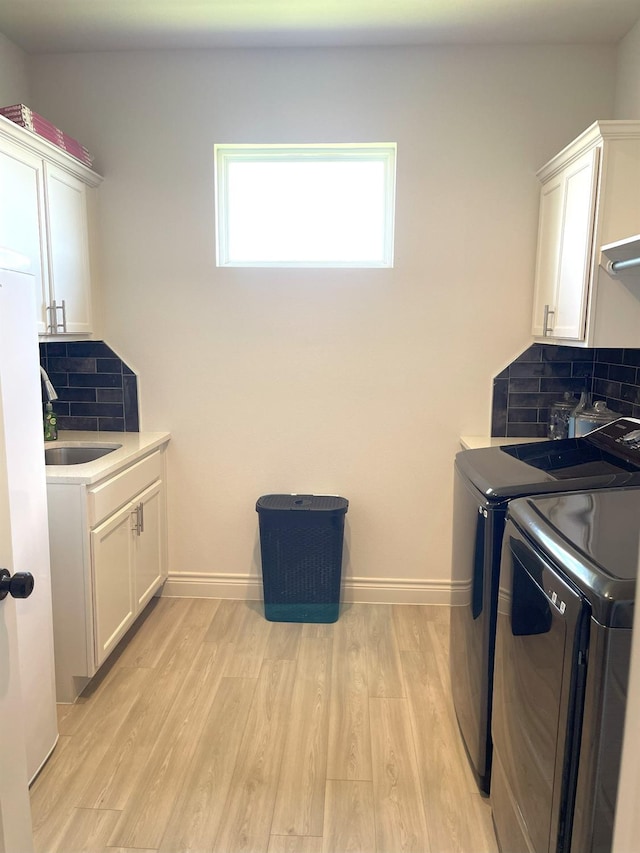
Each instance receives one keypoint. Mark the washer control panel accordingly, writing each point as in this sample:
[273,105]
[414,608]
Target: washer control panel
[631,439]
[621,437]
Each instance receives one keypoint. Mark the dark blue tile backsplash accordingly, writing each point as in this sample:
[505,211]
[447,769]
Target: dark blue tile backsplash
[524,391]
[96,389]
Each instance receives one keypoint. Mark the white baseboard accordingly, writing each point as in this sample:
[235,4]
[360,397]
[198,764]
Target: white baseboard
[200,585]
[354,589]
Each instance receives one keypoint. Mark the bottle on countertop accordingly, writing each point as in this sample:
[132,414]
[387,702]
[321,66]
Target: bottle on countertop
[559,415]
[50,424]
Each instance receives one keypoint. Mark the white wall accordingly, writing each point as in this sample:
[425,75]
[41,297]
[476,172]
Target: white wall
[627,102]
[347,382]
[14,84]
[627,106]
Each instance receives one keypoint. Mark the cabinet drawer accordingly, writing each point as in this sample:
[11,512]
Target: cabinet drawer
[107,497]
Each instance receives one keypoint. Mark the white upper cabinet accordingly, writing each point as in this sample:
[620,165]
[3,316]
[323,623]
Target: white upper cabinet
[565,233]
[590,195]
[22,218]
[43,217]
[68,240]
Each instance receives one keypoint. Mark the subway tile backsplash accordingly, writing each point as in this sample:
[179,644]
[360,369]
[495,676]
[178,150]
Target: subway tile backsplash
[96,389]
[524,391]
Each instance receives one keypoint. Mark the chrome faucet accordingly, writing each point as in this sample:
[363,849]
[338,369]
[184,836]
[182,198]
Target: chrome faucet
[48,387]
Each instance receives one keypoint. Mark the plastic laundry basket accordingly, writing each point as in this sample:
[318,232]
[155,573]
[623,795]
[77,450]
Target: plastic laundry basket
[301,539]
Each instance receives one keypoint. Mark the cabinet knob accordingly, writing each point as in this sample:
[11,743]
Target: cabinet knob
[19,585]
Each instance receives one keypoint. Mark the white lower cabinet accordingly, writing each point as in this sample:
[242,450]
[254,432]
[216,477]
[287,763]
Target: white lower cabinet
[111,562]
[108,558]
[126,558]
[148,545]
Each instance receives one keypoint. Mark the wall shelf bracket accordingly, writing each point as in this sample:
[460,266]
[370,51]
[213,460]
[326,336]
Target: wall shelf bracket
[621,256]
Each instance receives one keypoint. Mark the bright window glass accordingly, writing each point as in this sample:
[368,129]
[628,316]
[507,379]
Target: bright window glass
[305,206]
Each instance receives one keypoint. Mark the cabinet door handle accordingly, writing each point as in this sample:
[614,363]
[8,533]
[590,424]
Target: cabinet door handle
[546,328]
[137,514]
[51,311]
[54,325]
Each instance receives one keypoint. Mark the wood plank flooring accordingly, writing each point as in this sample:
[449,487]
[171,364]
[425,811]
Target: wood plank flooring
[213,730]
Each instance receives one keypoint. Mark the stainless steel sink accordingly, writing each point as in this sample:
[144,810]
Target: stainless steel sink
[76,455]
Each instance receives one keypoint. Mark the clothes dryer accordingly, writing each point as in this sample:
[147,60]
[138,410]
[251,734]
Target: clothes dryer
[563,647]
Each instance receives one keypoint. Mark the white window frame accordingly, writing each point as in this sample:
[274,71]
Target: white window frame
[227,154]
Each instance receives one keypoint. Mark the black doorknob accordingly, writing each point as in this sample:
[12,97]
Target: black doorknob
[20,585]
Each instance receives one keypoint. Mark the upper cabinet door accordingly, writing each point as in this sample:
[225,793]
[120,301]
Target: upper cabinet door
[549,235]
[68,252]
[565,243]
[576,244]
[22,219]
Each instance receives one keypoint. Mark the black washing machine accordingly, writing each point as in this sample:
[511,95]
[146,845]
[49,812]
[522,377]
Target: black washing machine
[563,647]
[486,480]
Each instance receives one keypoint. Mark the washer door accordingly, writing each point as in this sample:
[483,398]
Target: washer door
[540,668]
[477,536]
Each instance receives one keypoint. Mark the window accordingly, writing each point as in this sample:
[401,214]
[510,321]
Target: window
[305,205]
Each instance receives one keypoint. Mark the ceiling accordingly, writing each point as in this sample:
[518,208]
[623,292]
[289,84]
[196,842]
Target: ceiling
[53,26]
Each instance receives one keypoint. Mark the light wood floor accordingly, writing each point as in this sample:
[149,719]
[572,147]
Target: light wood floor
[215,730]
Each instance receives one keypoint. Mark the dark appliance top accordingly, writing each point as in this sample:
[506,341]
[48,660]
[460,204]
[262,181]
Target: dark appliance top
[593,537]
[606,457]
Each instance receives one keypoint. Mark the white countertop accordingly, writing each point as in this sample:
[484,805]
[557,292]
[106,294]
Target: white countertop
[135,445]
[472,442]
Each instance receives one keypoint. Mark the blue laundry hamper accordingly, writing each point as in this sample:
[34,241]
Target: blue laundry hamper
[301,539]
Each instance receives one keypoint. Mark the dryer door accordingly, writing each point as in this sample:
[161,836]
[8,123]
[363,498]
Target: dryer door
[540,667]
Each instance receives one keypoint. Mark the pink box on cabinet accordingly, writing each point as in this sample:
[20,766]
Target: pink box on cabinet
[27,118]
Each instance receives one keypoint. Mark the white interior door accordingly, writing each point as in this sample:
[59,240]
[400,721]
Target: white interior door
[15,812]
[21,393]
